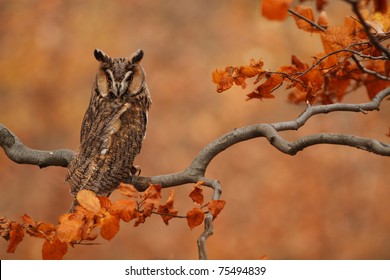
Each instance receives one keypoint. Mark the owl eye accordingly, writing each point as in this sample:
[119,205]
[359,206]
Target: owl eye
[109,75]
[129,78]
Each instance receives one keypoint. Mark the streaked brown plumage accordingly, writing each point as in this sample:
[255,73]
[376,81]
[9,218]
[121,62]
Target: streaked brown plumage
[113,127]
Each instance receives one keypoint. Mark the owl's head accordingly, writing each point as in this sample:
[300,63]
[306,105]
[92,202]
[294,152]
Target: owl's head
[119,78]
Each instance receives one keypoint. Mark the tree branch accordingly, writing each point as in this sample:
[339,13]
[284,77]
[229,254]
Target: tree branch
[373,39]
[208,221]
[354,57]
[368,71]
[195,172]
[19,153]
[269,131]
[319,27]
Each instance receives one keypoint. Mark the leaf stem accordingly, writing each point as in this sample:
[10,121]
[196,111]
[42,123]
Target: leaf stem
[319,27]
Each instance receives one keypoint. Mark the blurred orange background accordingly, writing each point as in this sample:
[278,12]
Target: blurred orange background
[328,202]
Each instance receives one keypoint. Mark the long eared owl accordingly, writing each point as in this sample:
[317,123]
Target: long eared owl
[113,127]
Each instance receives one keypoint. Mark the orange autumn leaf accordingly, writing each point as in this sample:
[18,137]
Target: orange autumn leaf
[286,69]
[105,202]
[320,4]
[88,200]
[275,9]
[38,229]
[307,13]
[380,6]
[254,68]
[128,190]
[167,211]
[46,229]
[242,73]
[335,38]
[337,88]
[197,195]
[380,22]
[300,65]
[140,219]
[314,79]
[339,37]
[325,63]
[5,226]
[236,75]
[70,228]
[170,200]
[195,217]
[16,236]
[148,208]
[223,79]
[152,194]
[323,19]
[310,83]
[54,250]
[109,226]
[373,85]
[151,198]
[42,230]
[88,220]
[167,214]
[259,94]
[215,207]
[296,96]
[264,90]
[124,209]
[28,220]
[310,98]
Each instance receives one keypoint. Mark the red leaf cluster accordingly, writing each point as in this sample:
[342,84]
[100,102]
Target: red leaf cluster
[226,78]
[167,211]
[348,60]
[99,212]
[275,10]
[195,216]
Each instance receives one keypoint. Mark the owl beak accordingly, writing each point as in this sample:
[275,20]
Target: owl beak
[117,89]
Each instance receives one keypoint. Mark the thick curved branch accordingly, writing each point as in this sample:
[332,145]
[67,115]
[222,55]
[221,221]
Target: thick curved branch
[19,153]
[195,172]
[366,144]
[269,131]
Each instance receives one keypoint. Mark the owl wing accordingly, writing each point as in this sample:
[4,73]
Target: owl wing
[86,124]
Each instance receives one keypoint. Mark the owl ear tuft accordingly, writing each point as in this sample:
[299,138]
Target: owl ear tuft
[137,56]
[101,56]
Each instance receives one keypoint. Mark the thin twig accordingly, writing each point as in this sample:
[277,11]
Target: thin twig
[371,37]
[368,71]
[340,51]
[319,27]
[208,222]
[169,215]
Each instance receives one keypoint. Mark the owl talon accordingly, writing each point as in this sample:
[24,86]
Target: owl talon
[135,170]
